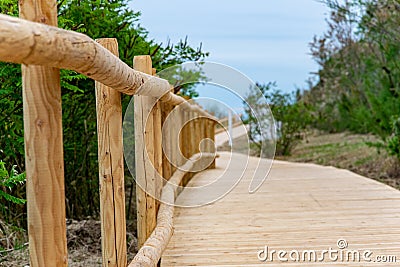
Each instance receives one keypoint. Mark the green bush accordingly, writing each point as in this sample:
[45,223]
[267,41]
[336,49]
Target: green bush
[12,199]
[8,180]
[393,142]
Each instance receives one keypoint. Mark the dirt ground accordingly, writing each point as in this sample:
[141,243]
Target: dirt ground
[84,246]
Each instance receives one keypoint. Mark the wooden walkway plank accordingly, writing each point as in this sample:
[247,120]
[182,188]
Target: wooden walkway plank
[300,206]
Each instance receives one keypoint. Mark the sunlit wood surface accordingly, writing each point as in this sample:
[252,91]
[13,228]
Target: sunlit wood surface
[300,206]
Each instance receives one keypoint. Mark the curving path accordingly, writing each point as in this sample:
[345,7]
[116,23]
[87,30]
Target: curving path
[299,207]
[223,137]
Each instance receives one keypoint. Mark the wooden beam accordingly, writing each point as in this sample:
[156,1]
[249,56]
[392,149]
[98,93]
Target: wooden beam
[211,135]
[184,141]
[111,169]
[44,151]
[158,155]
[148,157]
[203,129]
[176,140]
[167,139]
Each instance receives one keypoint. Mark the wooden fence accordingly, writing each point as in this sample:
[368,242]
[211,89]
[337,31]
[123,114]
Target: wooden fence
[42,50]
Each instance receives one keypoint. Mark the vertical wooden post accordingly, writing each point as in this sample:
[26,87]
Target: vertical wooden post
[148,158]
[158,155]
[183,136]
[181,153]
[167,139]
[211,135]
[189,134]
[179,131]
[188,142]
[213,148]
[176,127]
[191,137]
[197,134]
[44,151]
[203,135]
[185,141]
[111,169]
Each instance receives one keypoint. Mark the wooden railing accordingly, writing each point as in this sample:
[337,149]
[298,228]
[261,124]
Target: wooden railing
[42,50]
[181,139]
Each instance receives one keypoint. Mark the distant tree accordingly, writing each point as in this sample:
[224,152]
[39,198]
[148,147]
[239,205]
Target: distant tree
[291,117]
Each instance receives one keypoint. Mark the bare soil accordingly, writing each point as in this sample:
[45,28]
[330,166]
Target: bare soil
[84,246]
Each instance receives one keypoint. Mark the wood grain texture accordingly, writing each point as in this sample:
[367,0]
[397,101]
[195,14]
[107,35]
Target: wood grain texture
[211,134]
[167,139]
[176,140]
[185,141]
[196,133]
[300,206]
[44,151]
[179,149]
[158,153]
[111,169]
[203,135]
[148,158]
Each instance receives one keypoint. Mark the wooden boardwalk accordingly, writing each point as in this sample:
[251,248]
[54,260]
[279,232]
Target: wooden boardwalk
[299,207]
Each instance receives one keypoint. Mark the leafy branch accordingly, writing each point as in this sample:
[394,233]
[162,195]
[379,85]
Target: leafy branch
[8,180]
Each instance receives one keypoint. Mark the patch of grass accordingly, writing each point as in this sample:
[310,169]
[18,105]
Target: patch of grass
[348,151]
[363,160]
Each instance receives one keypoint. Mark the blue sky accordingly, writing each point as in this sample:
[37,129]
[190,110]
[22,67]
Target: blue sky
[267,40]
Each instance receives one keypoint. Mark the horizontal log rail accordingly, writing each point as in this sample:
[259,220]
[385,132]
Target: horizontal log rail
[31,43]
[150,253]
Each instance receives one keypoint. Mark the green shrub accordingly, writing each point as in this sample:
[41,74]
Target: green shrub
[393,142]
[8,180]
[12,197]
